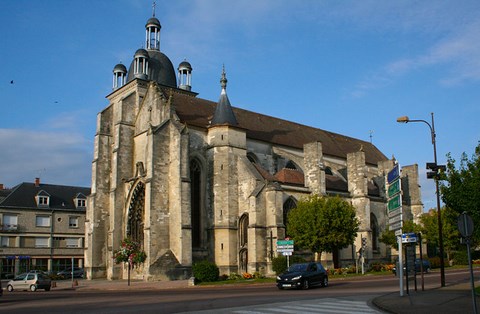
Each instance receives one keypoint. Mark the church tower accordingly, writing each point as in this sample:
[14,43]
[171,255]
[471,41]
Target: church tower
[227,143]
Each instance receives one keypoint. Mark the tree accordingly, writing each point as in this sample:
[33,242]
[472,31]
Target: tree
[461,191]
[130,253]
[389,238]
[323,224]
[449,229]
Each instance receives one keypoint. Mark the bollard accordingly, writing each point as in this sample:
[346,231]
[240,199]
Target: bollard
[54,284]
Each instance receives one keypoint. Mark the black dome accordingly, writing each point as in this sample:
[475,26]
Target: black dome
[160,69]
[119,68]
[153,21]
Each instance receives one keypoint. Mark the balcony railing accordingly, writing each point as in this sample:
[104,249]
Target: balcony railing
[8,227]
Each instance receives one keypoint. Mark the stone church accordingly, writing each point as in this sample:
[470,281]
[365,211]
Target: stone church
[192,179]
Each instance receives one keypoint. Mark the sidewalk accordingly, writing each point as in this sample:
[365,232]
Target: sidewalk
[450,299]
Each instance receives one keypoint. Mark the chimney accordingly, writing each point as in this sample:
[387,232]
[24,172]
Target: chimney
[1,186]
[37,182]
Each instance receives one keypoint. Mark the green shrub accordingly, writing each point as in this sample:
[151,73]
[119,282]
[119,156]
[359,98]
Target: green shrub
[279,263]
[205,271]
[461,257]
[234,276]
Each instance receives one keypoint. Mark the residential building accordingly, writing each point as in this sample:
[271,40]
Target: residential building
[42,226]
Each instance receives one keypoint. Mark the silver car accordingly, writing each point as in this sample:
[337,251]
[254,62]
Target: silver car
[30,281]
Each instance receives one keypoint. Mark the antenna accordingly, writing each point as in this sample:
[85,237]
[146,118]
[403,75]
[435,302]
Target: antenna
[371,136]
[153,8]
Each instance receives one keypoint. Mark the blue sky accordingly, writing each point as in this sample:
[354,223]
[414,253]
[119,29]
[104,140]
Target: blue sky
[350,67]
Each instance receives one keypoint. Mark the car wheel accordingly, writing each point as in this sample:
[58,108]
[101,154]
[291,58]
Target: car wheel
[325,282]
[10,288]
[306,284]
[427,270]
[33,288]
[279,288]
[47,289]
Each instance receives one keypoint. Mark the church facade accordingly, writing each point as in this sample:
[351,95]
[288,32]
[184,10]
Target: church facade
[191,179]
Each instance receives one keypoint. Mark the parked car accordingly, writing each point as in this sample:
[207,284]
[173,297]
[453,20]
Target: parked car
[67,273]
[30,281]
[303,276]
[426,266]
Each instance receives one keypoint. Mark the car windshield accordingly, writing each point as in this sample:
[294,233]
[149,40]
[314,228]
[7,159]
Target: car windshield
[298,267]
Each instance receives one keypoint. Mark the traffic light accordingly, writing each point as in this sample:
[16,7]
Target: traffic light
[436,169]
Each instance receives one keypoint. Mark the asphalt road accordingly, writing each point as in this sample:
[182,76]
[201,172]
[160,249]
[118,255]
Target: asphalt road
[204,298]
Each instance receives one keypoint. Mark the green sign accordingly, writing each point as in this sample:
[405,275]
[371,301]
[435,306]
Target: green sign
[394,188]
[285,242]
[394,203]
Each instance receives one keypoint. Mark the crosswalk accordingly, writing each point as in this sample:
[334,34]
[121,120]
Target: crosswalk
[324,305]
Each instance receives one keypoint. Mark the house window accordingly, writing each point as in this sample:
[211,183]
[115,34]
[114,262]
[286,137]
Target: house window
[10,222]
[72,242]
[41,242]
[80,203]
[42,221]
[4,241]
[73,222]
[43,200]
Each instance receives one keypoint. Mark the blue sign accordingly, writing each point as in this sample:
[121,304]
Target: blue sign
[393,174]
[409,237]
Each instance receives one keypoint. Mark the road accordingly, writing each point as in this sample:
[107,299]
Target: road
[256,298]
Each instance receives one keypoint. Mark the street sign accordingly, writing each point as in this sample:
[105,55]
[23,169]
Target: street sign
[285,246]
[395,212]
[396,225]
[394,188]
[395,219]
[287,253]
[409,237]
[394,203]
[465,225]
[398,232]
[393,174]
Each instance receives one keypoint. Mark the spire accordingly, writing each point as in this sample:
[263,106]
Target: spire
[224,112]
[152,29]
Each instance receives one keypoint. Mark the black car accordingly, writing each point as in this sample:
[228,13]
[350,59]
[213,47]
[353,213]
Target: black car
[418,269]
[67,273]
[303,276]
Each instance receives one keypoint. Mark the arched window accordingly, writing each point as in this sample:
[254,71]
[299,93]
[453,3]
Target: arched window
[196,202]
[289,204]
[136,214]
[252,158]
[375,231]
[291,165]
[243,230]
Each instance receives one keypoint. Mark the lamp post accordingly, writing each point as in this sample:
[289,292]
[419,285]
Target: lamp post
[434,167]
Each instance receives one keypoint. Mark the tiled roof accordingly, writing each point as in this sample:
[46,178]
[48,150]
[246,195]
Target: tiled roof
[198,112]
[61,197]
[290,176]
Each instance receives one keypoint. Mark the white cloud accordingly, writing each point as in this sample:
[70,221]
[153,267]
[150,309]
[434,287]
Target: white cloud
[56,157]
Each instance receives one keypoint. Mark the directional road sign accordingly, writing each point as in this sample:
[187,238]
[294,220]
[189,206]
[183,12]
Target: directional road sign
[393,174]
[394,188]
[394,203]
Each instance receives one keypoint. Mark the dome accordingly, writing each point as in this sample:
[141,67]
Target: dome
[185,65]
[141,53]
[153,21]
[119,68]
[160,69]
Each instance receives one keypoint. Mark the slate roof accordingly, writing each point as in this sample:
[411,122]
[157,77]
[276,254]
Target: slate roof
[62,197]
[198,112]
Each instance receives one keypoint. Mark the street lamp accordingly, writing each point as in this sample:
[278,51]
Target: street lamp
[435,167]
